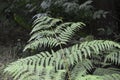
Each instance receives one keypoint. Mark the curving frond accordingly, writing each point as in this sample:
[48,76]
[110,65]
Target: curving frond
[42,42]
[50,33]
[113,57]
[83,68]
[56,61]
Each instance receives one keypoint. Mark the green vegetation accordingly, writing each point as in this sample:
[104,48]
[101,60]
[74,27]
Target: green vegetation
[96,59]
[59,40]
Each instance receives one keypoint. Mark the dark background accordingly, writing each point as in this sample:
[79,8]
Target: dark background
[13,28]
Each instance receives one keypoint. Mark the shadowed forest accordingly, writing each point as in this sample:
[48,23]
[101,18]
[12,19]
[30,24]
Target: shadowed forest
[59,40]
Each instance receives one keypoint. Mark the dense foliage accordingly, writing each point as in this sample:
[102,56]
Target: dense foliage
[69,39]
[93,60]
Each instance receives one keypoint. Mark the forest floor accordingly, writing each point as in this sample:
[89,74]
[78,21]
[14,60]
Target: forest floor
[7,55]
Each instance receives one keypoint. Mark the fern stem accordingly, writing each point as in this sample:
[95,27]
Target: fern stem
[63,56]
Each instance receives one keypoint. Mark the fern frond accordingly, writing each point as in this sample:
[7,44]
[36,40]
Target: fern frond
[113,57]
[43,42]
[106,71]
[59,75]
[88,77]
[46,61]
[50,22]
[94,77]
[83,68]
[38,20]
[86,5]
[40,34]
[48,33]
[111,77]
[68,33]
[61,27]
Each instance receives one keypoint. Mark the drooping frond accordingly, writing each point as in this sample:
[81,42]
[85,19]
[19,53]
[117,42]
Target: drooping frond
[42,42]
[45,61]
[99,74]
[113,57]
[81,69]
